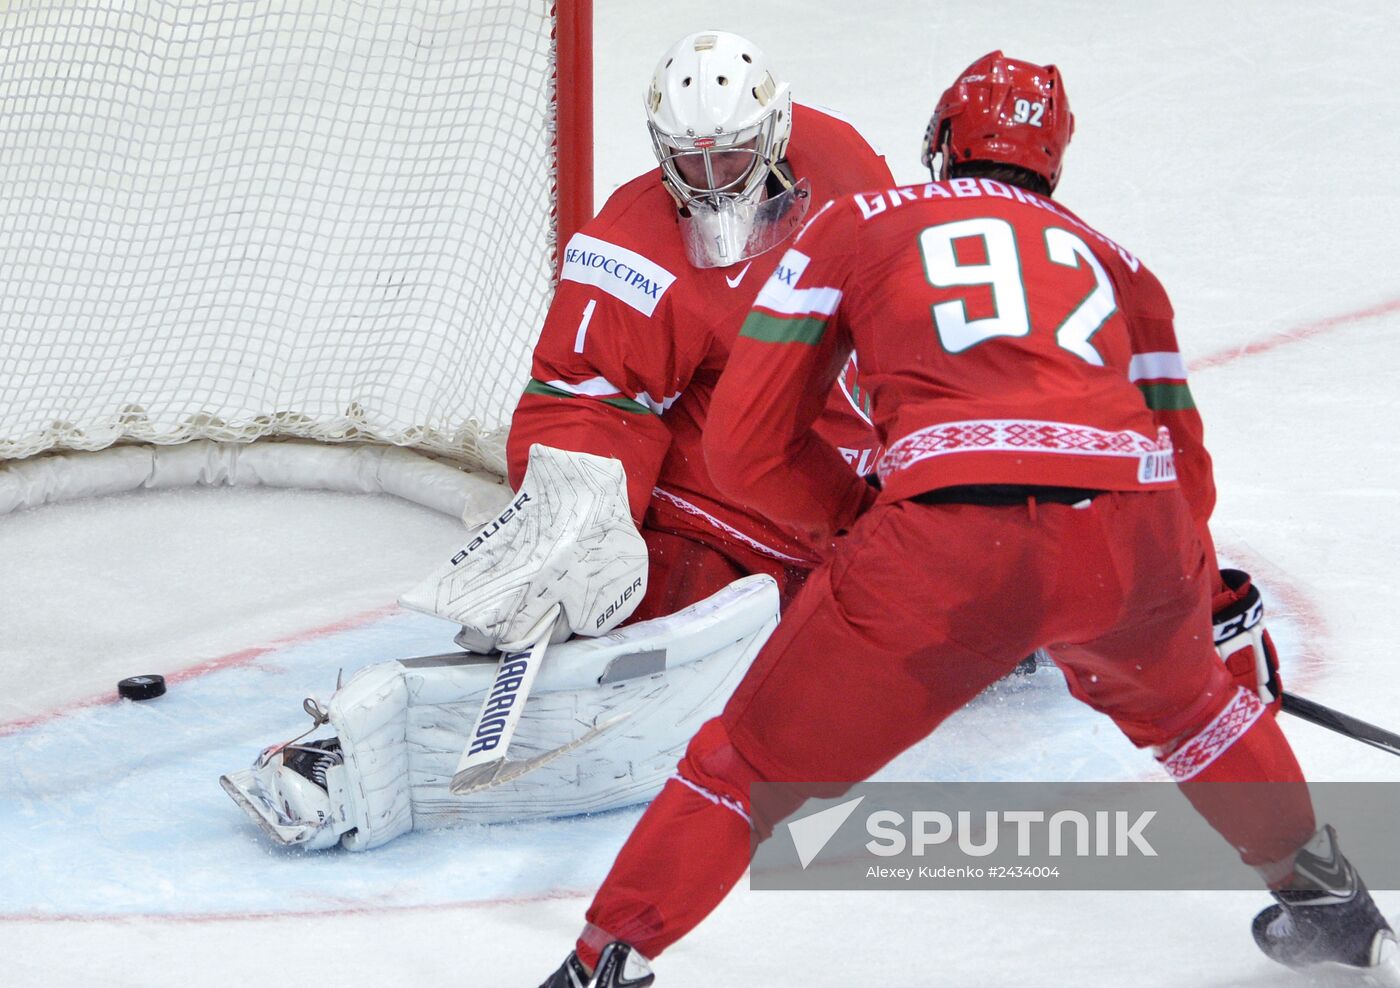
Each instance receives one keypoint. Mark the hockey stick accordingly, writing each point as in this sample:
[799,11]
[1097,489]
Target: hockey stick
[484,763]
[508,771]
[484,759]
[1344,724]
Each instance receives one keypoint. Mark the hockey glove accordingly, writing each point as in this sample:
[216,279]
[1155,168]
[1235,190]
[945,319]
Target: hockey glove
[1244,644]
[565,538]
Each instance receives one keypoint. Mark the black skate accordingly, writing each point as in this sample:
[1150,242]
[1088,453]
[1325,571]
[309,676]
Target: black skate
[619,966]
[1326,922]
[570,975]
[311,759]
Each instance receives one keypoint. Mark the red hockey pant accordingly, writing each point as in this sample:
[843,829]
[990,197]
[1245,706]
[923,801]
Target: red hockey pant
[682,570]
[921,608]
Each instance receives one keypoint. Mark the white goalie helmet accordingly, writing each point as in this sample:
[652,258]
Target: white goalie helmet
[720,123]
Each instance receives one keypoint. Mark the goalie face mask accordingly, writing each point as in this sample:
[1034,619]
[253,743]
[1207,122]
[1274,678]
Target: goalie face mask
[720,122]
[731,230]
[707,171]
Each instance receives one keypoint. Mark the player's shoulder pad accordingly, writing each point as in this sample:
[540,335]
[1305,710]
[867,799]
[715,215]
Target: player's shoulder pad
[833,153]
[1149,297]
[782,292]
[632,201]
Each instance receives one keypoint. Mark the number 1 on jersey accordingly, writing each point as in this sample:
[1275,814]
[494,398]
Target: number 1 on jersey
[1002,274]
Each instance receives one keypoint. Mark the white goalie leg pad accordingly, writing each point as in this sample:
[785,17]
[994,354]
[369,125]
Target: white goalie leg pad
[402,725]
[667,676]
[370,716]
[566,537]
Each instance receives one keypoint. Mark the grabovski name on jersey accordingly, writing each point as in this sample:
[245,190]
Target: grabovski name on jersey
[873,204]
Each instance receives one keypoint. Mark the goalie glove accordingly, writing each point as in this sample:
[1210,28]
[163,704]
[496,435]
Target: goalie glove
[1244,644]
[566,538]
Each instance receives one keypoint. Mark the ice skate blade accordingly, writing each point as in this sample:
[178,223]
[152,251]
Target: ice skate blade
[243,789]
[1385,973]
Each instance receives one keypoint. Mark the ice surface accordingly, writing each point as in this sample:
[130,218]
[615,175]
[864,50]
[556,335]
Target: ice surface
[1245,151]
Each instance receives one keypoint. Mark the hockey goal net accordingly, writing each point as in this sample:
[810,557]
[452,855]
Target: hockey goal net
[236,219]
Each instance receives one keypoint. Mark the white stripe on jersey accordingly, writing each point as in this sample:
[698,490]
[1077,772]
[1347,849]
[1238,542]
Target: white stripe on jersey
[729,530]
[624,274]
[594,387]
[780,296]
[1161,366]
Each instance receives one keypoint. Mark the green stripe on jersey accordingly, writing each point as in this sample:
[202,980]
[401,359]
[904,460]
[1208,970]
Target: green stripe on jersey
[1167,397]
[771,329]
[625,404]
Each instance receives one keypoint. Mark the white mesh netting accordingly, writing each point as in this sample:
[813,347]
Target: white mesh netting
[238,218]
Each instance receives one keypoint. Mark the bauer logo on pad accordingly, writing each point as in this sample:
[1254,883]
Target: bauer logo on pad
[625,275]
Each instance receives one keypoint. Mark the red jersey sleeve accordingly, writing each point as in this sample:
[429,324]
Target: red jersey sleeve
[607,364]
[1159,372]
[760,446]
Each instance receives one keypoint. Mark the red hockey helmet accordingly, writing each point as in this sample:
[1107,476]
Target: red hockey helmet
[1002,110]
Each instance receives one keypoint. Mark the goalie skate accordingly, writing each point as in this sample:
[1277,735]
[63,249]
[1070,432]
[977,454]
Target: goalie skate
[287,792]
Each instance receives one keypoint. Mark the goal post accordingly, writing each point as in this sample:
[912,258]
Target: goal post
[574,158]
[228,221]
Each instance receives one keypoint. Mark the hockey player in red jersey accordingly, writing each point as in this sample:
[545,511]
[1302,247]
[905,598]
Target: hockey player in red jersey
[651,296]
[1024,376]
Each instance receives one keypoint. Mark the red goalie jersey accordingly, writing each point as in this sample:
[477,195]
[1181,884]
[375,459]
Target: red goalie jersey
[635,341]
[1002,341]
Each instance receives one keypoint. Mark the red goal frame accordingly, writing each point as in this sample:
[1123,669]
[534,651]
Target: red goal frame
[573,140]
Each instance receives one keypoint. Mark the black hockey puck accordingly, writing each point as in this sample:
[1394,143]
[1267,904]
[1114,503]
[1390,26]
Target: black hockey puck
[142,687]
